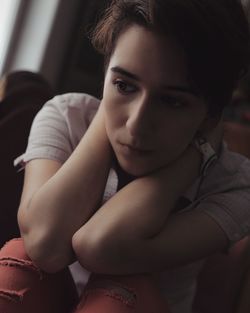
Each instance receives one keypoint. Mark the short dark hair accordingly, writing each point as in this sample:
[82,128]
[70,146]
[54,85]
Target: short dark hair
[213,33]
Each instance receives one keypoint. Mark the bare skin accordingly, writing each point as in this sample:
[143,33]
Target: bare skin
[51,208]
[150,128]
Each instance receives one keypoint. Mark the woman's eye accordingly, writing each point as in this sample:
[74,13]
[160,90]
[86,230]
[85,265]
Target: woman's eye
[171,102]
[124,87]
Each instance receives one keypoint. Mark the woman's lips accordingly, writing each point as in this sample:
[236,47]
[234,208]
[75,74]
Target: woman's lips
[129,149]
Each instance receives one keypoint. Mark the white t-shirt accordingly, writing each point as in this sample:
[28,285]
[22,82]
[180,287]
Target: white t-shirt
[224,194]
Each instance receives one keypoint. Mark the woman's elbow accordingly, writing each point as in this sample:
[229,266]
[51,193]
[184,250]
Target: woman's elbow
[42,252]
[39,246]
[95,252]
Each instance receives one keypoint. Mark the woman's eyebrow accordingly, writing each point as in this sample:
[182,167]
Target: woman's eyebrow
[177,88]
[120,70]
[182,89]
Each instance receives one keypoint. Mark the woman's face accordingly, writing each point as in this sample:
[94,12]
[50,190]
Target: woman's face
[151,112]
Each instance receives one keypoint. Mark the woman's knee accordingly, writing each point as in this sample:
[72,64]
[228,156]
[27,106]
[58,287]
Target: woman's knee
[25,288]
[122,294]
[17,271]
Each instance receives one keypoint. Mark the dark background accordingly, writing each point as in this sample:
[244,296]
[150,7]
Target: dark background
[82,68]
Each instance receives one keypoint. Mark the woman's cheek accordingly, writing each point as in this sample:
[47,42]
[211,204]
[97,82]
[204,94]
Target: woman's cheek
[181,139]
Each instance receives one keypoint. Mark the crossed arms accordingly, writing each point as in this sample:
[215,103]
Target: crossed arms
[61,217]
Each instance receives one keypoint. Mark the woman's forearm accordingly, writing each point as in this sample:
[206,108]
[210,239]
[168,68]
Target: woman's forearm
[128,223]
[136,213]
[68,199]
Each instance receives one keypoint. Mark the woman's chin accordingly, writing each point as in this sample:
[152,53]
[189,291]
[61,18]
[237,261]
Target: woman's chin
[136,170]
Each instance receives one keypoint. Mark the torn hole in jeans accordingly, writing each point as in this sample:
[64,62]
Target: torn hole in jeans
[114,290]
[6,291]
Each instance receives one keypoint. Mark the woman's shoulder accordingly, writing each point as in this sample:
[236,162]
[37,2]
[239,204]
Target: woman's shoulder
[72,112]
[224,194]
[59,126]
[81,102]
[231,172]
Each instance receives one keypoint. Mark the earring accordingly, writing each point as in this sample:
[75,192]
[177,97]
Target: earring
[208,153]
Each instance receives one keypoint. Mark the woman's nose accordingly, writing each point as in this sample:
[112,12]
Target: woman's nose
[140,119]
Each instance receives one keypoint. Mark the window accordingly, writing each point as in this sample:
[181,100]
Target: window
[8,14]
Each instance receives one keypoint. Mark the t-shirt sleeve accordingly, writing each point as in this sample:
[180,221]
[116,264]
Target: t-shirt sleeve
[231,211]
[58,127]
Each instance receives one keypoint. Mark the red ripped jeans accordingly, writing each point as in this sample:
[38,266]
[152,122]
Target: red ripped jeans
[24,288]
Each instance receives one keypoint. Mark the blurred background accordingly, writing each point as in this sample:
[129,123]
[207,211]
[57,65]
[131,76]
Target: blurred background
[50,37]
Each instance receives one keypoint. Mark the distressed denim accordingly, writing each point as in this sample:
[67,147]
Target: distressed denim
[24,288]
[121,294]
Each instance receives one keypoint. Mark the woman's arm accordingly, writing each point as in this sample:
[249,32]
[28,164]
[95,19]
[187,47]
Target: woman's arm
[57,200]
[184,238]
[133,231]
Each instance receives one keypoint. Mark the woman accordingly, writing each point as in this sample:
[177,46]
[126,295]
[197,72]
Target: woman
[142,194]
